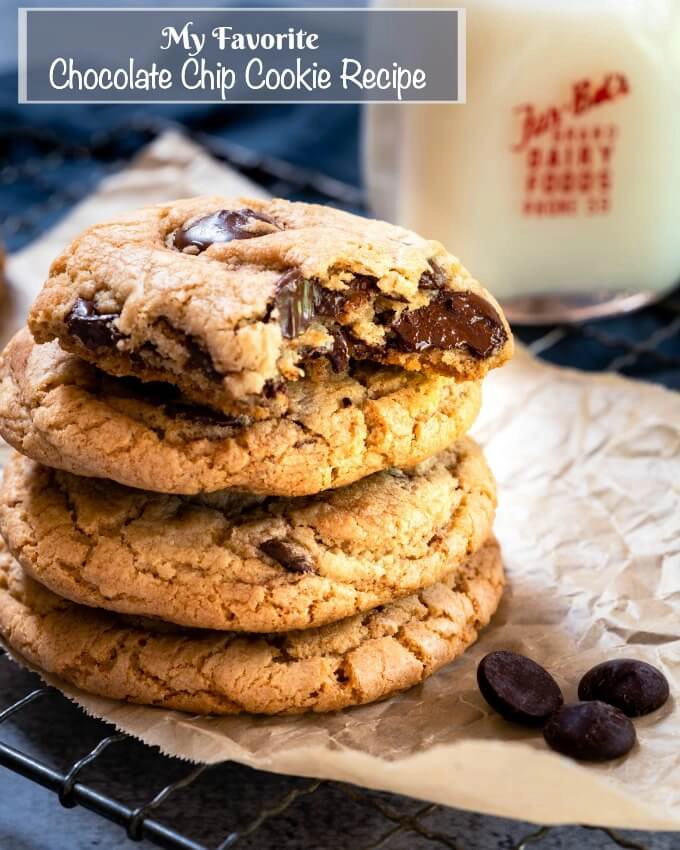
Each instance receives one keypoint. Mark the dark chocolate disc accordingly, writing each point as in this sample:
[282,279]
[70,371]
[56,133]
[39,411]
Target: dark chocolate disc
[635,687]
[518,688]
[590,731]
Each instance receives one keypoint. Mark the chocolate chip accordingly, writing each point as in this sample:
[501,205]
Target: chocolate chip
[294,300]
[273,387]
[435,278]
[518,688]
[590,731]
[339,354]
[330,303]
[300,300]
[360,350]
[451,320]
[345,348]
[291,556]
[93,329]
[362,283]
[223,226]
[385,317]
[334,303]
[634,687]
[199,359]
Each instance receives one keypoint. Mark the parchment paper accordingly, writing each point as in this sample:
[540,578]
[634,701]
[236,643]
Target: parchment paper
[588,469]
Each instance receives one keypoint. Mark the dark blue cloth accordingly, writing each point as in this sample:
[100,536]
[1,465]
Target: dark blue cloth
[52,156]
[78,145]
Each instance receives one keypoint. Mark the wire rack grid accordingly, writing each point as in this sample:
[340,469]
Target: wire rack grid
[36,162]
[395,817]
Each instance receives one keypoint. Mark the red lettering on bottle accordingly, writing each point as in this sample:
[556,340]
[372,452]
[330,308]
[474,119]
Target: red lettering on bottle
[568,163]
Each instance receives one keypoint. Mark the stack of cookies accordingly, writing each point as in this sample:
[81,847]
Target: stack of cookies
[242,481]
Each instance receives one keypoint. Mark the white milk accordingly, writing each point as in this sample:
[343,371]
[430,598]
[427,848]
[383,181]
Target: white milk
[560,176]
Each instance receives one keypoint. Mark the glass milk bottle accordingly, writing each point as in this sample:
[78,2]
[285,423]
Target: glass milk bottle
[558,181]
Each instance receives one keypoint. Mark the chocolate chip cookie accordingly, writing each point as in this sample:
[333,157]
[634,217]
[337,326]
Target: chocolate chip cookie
[227,298]
[239,562]
[334,429]
[358,660]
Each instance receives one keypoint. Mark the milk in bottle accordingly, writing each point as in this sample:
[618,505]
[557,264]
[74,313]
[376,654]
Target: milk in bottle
[558,181]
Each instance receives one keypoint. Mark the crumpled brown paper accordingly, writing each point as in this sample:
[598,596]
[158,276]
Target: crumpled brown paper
[588,469]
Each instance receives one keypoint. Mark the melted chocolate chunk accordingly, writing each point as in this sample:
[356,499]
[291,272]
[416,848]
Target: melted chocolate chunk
[223,226]
[332,303]
[345,348]
[451,320]
[634,687]
[294,300]
[590,731]
[93,329]
[291,556]
[300,300]
[385,318]
[518,688]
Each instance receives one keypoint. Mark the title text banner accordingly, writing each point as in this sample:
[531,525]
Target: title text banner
[231,55]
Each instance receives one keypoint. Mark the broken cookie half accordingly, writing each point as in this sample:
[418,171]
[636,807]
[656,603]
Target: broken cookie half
[228,299]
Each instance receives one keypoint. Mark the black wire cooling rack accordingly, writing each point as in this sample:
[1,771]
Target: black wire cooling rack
[365,820]
[259,811]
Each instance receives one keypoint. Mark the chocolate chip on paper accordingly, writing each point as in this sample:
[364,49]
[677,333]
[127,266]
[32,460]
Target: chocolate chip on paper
[634,687]
[590,731]
[518,688]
